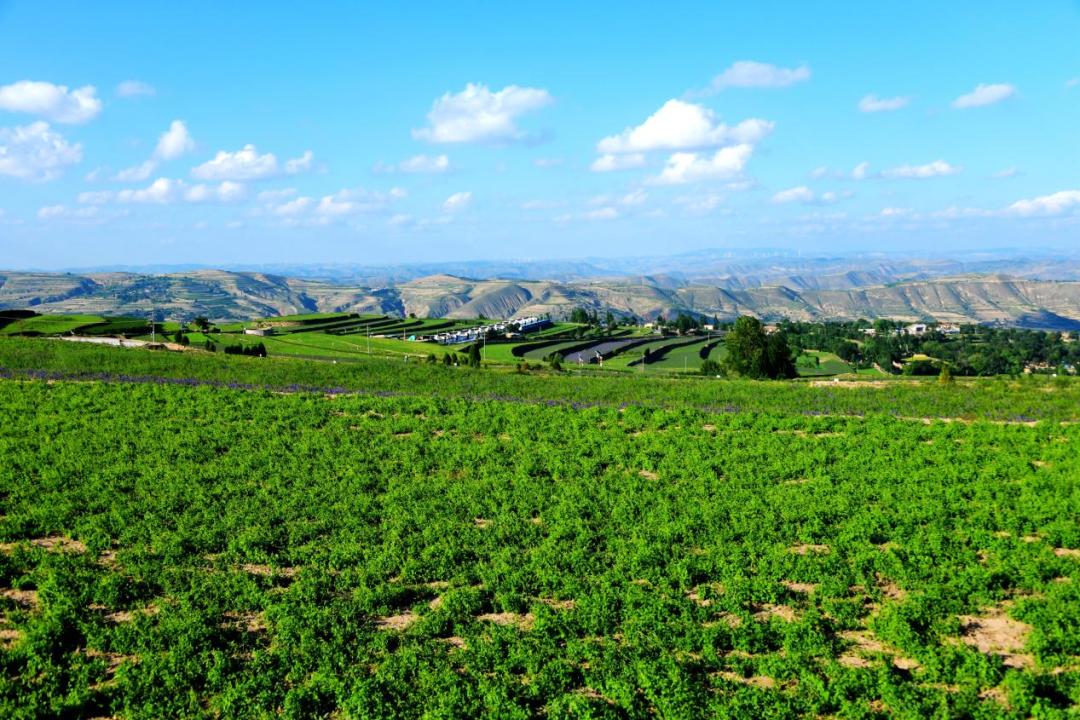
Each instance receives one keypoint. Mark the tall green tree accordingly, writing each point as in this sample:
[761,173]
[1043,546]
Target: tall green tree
[752,353]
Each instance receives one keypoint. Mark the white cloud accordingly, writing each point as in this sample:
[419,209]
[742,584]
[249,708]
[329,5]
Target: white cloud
[548,162]
[478,115]
[165,191]
[725,164]
[1055,204]
[51,211]
[161,191]
[819,172]
[801,194]
[634,197]
[1072,82]
[861,171]
[136,173]
[604,213]
[329,208]
[135,88]
[984,95]
[226,192]
[612,163]
[248,164]
[750,74]
[872,103]
[53,102]
[36,152]
[806,196]
[293,207]
[299,165]
[895,212]
[95,198]
[679,125]
[955,213]
[173,143]
[418,165]
[938,168]
[1009,172]
[457,202]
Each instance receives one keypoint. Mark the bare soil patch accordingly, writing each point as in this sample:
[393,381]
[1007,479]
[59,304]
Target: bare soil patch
[765,611]
[558,604]
[522,622]
[995,633]
[269,570]
[648,474]
[809,549]
[759,681]
[799,587]
[25,598]
[247,621]
[1067,552]
[54,543]
[864,643]
[397,623]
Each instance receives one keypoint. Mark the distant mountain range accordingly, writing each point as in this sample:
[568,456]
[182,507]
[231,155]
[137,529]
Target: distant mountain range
[1034,291]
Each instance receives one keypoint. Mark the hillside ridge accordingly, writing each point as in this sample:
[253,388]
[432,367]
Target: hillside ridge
[225,294]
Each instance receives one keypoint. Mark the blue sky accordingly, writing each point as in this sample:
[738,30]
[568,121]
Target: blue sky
[225,133]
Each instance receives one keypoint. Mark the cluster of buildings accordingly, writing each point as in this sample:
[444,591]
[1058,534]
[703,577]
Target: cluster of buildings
[920,329]
[456,337]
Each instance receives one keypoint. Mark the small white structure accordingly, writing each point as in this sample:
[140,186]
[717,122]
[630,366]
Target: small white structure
[916,329]
[261,332]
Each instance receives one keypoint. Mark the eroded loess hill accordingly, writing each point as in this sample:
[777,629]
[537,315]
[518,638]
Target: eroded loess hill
[228,295]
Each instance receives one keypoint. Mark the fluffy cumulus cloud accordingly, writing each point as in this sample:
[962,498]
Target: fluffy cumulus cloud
[418,165]
[702,147]
[248,164]
[173,143]
[872,103]
[53,102]
[725,164]
[36,152]
[1057,203]
[984,95]
[751,74]
[135,88]
[680,125]
[457,202]
[478,115]
[611,162]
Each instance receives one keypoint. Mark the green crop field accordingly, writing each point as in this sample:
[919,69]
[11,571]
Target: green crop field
[50,324]
[829,364]
[194,535]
